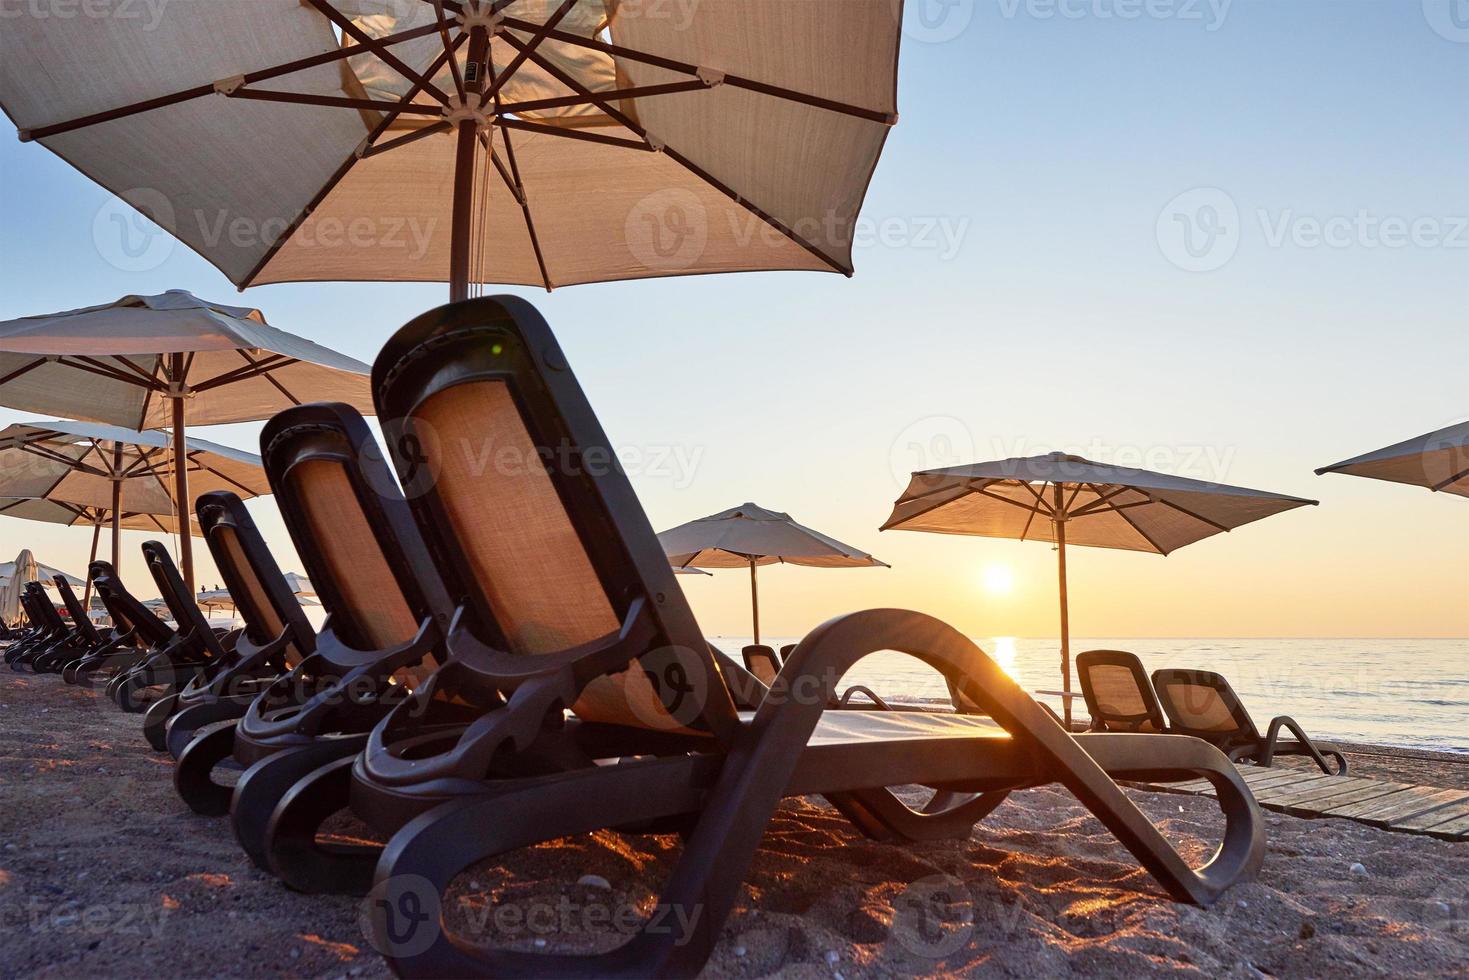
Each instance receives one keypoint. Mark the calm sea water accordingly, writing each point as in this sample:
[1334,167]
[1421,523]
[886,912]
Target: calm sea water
[1411,693]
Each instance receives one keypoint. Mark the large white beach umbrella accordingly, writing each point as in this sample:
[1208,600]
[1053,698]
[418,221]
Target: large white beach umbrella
[750,536]
[169,360]
[541,142]
[1438,460]
[1070,500]
[69,472]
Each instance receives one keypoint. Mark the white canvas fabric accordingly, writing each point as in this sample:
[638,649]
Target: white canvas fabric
[234,178]
[50,468]
[750,533]
[15,575]
[41,366]
[1106,506]
[1438,460]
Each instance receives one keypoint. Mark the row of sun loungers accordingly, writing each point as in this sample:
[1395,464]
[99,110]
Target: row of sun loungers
[508,660]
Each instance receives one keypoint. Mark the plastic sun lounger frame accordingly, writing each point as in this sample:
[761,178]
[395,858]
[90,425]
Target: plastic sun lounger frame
[721,772]
[136,632]
[83,639]
[56,636]
[1221,719]
[386,612]
[272,641]
[1119,697]
[188,652]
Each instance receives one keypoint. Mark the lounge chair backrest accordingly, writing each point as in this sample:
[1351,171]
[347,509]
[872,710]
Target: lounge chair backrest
[255,581]
[45,606]
[125,609]
[761,661]
[352,529]
[525,507]
[178,598]
[1118,695]
[79,617]
[1201,703]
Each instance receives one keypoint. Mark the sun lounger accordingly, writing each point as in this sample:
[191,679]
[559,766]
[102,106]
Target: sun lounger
[275,636]
[136,632]
[1202,704]
[569,603]
[188,652]
[1117,692]
[83,636]
[58,636]
[386,615]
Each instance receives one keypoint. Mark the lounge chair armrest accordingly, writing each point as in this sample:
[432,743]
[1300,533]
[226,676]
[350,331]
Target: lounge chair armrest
[1272,736]
[829,651]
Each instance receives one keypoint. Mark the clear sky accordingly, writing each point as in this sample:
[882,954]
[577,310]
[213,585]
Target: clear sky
[1157,232]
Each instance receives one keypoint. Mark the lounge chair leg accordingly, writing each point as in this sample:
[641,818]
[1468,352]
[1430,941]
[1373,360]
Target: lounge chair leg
[427,852]
[1272,736]
[292,850]
[192,777]
[155,721]
[183,725]
[265,783]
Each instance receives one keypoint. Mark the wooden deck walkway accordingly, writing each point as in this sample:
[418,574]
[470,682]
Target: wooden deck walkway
[1442,813]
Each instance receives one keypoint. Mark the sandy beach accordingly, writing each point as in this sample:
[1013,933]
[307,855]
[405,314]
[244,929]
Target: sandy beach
[104,872]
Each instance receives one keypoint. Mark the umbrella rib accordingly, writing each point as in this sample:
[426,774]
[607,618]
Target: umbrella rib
[200,91]
[148,397]
[413,137]
[95,367]
[673,154]
[331,101]
[362,37]
[537,36]
[575,134]
[252,369]
[519,190]
[449,49]
[616,94]
[1102,499]
[684,68]
[205,468]
[341,172]
[1198,517]
[1450,481]
[1138,528]
[24,369]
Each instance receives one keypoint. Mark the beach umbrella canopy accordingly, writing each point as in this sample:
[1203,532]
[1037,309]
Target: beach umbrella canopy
[169,360]
[1070,500]
[1438,460]
[17,574]
[69,472]
[749,536]
[540,142]
[299,584]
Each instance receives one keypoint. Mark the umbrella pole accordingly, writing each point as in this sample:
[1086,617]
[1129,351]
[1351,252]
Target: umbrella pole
[182,503]
[1065,614]
[462,213]
[755,601]
[117,508]
[87,592]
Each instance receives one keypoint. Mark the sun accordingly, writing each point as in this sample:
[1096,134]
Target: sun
[998,579]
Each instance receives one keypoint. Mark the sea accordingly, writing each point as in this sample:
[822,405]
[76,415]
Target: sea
[1410,693]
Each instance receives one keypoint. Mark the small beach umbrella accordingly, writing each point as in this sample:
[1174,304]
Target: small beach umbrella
[1438,460]
[291,140]
[1070,500]
[170,360]
[751,536]
[70,472]
[18,574]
